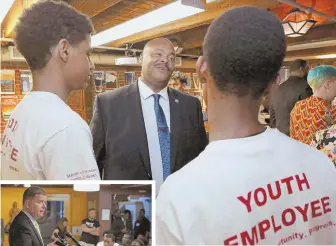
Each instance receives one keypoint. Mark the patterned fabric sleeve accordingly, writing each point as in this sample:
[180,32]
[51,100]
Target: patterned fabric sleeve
[325,141]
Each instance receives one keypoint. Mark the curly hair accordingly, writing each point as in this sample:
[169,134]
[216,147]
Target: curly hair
[182,77]
[244,49]
[43,25]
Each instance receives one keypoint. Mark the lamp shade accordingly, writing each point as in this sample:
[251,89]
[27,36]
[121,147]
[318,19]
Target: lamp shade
[87,187]
[297,23]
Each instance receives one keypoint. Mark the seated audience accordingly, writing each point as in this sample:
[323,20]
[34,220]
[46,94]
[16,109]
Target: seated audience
[325,141]
[126,240]
[137,242]
[252,184]
[316,112]
[109,240]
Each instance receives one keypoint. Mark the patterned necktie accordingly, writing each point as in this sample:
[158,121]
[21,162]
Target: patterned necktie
[164,136]
[37,227]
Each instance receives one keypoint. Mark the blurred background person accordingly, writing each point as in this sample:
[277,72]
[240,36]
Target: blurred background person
[178,81]
[90,229]
[118,227]
[325,141]
[108,239]
[142,225]
[128,221]
[137,242]
[316,112]
[284,97]
[61,229]
[126,240]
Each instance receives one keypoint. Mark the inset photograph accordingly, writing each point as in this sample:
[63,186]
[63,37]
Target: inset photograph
[76,214]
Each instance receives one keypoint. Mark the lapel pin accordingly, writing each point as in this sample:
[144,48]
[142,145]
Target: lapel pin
[176,100]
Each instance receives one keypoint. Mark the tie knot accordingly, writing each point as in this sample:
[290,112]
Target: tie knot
[156,97]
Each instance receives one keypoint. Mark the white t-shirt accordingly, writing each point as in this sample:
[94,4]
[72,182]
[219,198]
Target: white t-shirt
[223,196]
[45,139]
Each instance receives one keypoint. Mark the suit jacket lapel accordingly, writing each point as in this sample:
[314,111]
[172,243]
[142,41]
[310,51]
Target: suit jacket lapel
[174,125]
[34,229]
[135,109]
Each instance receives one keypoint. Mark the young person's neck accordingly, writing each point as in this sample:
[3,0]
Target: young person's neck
[48,80]
[232,117]
[322,96]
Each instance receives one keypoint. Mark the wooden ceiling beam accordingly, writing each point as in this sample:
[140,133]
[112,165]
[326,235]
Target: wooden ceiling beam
[213,11]
[312,52]
[93,7]
[9,23]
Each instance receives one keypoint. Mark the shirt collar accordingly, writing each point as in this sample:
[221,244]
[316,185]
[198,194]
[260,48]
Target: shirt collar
[146,92]
[30,217]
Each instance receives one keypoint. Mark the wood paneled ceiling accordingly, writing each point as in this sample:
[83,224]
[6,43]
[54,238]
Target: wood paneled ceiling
[188,32]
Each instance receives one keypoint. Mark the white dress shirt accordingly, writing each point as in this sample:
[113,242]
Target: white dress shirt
[147,105]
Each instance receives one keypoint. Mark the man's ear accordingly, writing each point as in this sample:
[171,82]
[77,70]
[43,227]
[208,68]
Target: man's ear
[141,58]
[64,49]
[202,69]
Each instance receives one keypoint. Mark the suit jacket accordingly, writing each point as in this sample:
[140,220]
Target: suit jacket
[22,232]
[119,134]
[283,100]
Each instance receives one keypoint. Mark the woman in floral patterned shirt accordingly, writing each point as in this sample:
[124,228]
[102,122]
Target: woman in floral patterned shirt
[325,141]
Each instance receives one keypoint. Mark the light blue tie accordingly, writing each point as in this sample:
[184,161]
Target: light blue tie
[164,136]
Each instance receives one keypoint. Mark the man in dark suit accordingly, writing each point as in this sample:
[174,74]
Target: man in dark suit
[284,97]
[146,130]
[24,230]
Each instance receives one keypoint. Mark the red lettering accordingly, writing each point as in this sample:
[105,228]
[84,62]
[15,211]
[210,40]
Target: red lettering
[247,240]
[278,191]
[263,227]
[325,203]
[303,181]
[14,154]
[276,228]
[284,219]
[256,197]
[246,202]
[315,208]
[287,181]
[230,239]
[303,211]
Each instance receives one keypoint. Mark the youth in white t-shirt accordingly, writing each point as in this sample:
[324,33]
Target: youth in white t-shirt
[251,185]
[40,143]
[44,138]
[255,190]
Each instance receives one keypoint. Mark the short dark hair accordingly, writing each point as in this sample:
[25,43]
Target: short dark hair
[127,212]
[297,64]
[92,209]
[107,232]
[139,241]
[31,192]
[43,25]
[110,235]
[244,49]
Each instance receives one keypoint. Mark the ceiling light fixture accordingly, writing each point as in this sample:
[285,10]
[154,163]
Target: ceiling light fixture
[5,7]
[329,56]
[297,23]
[87,187]
[168,13]
[26,185]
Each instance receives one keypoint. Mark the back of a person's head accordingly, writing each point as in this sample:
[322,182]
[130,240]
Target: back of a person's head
[319,75]
[43,25]
[297,65]
[244,49]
